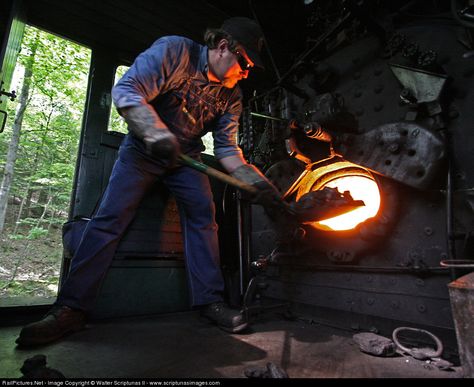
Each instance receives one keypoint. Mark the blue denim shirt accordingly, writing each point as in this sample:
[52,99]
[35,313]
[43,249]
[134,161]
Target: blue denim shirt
[171,76]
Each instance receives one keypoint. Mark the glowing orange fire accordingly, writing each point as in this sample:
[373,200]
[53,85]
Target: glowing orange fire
[361,188]
[336,172]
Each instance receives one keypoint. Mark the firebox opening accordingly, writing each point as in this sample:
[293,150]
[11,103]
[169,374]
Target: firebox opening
[361,188]
[343,175]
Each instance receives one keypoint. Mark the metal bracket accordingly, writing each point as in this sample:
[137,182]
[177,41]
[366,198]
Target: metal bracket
[423,86]
[11,95]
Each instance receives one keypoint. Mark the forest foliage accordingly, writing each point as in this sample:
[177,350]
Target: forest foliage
[51,126]
[49,133]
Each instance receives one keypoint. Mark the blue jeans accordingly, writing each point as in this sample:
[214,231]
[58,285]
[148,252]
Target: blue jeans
[133,174]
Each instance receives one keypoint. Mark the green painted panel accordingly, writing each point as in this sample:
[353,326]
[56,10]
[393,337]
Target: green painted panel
[141,289]
[11,44]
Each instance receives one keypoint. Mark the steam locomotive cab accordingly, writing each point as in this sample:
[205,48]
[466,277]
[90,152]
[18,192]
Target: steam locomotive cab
[369,98]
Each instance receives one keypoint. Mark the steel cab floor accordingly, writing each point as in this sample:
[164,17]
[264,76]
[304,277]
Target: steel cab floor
[184,345]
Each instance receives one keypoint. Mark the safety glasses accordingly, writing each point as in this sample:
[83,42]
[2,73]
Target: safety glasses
[244,64]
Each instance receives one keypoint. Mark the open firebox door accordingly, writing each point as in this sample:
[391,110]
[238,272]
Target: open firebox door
[368,167]
[402,152]
[344,176]
[382,151]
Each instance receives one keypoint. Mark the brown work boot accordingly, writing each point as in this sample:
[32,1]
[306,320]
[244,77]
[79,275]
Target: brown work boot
[59,321]
[229,320]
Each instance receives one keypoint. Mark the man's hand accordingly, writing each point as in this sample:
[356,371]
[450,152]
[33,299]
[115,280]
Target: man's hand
[144,123]
[162,144]
[267,195]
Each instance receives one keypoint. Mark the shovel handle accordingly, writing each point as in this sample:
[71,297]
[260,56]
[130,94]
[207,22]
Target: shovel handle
[201,167]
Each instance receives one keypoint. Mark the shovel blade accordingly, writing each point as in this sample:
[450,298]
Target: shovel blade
[323,204]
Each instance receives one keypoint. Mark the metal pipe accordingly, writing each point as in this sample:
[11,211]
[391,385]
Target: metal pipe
[374,269]
[240,243]
[321,40]
[275,255]
[451,243]
[260,115]
[246,243]
[267,47]
[458,263]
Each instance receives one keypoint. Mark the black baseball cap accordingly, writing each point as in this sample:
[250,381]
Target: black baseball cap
[249,34]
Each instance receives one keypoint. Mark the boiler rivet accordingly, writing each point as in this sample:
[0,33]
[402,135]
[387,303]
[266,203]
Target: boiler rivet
[370,301]
[428,231]
[378,107]
[356,75]
[420,282]
[300,234]
[394,148]
[405,93]
[421,308]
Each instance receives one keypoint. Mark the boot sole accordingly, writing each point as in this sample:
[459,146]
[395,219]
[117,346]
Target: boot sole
[34,341]
[237,329]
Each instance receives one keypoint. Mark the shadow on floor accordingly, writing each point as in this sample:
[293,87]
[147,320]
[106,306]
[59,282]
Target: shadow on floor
[183,345]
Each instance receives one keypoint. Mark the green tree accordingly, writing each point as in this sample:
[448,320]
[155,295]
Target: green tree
[15,137]
[37,157]
[50,127]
